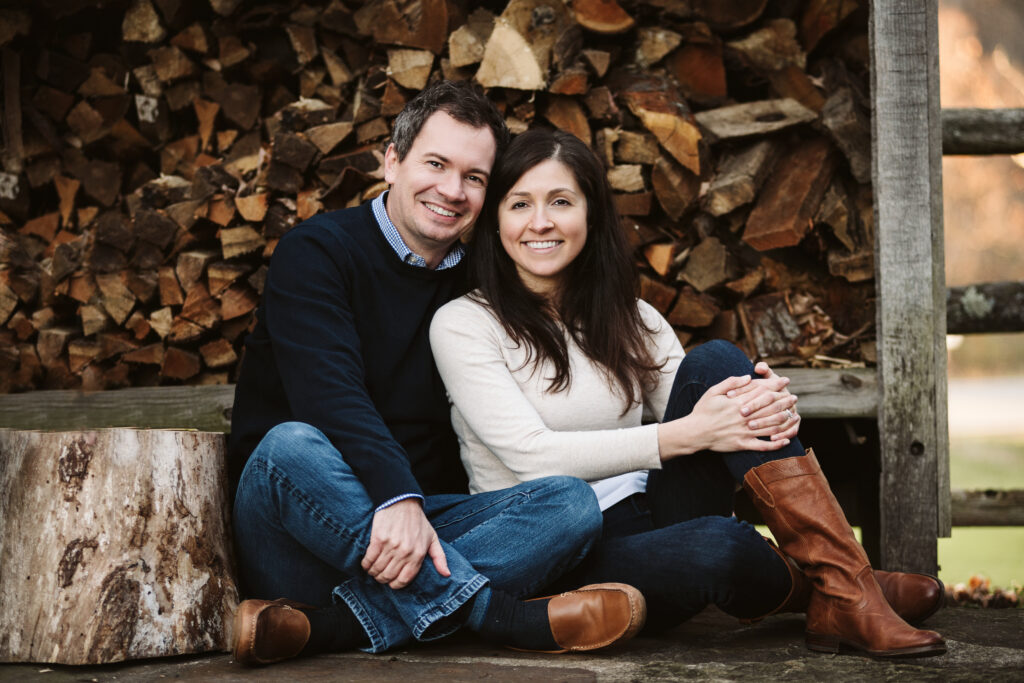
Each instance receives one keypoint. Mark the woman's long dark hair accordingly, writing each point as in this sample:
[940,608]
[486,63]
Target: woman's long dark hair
[597,299]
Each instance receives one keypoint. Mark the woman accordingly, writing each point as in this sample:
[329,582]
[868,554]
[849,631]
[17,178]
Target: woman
[550,364]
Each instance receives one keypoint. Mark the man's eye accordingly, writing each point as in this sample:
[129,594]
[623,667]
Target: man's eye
[476,179]
[435,164]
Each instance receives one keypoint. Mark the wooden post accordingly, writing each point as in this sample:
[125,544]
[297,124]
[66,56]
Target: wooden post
[907,179]
[114,545]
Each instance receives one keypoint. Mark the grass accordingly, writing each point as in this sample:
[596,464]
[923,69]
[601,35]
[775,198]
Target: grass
[995,552]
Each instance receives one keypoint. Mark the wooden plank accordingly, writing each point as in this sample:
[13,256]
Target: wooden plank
[205,408]
[827,393]
[982,131]
[988,508]
[823,393]
[986,307]
[907,179]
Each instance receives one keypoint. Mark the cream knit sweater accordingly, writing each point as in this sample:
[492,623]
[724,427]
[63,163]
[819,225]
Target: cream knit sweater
[511,429]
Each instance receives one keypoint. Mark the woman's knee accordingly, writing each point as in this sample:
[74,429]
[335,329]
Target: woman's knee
[737,549]
[723,356]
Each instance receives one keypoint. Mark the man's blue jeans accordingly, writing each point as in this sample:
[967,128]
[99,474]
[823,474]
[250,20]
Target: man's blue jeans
[302,525]
[678,543]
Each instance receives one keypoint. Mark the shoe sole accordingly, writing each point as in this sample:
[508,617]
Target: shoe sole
[834,645]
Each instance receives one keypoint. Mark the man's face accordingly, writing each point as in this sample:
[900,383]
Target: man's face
[437,191]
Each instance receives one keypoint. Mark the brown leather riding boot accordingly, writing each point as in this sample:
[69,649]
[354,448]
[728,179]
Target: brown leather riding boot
[913,597]
[799,594]
[847,607]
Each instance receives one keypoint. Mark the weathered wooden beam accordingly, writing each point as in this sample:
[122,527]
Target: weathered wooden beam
[204,408]
[910,283]
[986,307]
[827,393]
[988,508]
[823,393]
[982,131]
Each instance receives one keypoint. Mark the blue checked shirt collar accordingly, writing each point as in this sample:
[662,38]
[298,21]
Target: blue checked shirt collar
[398,244]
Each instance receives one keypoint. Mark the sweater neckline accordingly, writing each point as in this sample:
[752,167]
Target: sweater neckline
[398,265]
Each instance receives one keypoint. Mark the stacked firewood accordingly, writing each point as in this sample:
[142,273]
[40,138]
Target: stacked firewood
[155,151]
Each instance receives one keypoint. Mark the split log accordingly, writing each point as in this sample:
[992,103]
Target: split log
[602,16]
[739,178]
[661,257]
[707,265]
[675,187]
[567,114]
[791,197]
[147,573]
[657,293]
[410,68]
[771,48]
[698,66]
[509,62]
[466,43]
[754,118]
[851,131]
[727,14]
[421,24]
[768,323]
[655,43]
[662,112]
[693,309]
[821,17]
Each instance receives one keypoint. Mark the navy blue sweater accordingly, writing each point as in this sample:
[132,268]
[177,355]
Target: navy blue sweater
[341,343]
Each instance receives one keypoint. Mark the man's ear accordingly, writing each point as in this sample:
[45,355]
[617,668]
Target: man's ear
[390,164]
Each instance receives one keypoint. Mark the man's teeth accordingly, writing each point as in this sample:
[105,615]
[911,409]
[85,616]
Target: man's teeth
[542,245]
[440,211]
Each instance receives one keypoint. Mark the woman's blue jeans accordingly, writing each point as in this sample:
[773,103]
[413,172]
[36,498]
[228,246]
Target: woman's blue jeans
[302,525]
[678,543]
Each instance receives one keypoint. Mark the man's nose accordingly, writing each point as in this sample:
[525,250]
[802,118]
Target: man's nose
[451,187]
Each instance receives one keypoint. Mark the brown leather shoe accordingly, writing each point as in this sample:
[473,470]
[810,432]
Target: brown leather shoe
[268,631]
[595,616]
[847,607]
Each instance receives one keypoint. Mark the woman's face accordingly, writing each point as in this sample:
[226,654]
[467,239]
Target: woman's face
[543,224]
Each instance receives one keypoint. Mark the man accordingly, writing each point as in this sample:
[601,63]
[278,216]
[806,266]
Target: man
[350,495]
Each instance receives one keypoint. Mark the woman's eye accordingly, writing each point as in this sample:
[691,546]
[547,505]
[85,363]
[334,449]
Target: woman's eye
[517,205]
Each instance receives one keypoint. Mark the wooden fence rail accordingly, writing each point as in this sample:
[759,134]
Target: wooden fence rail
[982,131]
[988,508]
[986,307]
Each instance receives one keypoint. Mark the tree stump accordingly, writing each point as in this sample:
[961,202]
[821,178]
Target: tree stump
[114,544]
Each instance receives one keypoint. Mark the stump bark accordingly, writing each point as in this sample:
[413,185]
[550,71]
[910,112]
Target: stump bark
[114,544]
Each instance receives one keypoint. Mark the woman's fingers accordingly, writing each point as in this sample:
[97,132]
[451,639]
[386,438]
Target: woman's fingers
[728,385]
[774,412]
